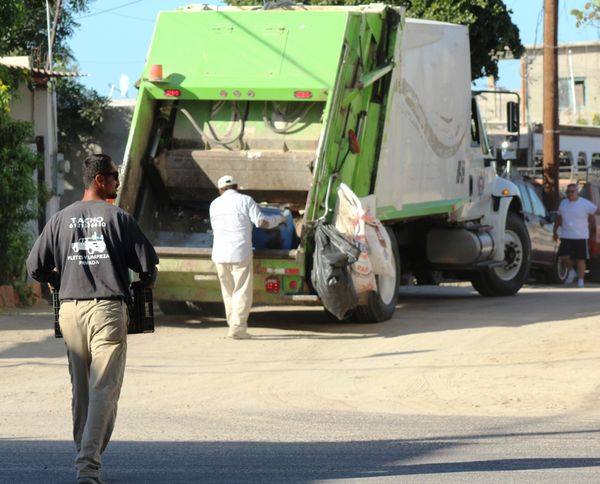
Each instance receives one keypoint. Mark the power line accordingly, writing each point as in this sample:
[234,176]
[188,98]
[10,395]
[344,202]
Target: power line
[132,17]
[109,9]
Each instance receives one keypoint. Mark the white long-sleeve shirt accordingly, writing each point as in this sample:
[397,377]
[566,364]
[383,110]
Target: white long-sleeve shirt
[231,217]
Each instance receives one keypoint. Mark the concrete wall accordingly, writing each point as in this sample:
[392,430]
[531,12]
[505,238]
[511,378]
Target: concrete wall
[31,106]
[111,139]
[585,61]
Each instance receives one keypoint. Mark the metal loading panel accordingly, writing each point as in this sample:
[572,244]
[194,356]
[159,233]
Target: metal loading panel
[193,174]
[276,50]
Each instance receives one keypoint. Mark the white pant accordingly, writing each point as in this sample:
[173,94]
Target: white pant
[236,289]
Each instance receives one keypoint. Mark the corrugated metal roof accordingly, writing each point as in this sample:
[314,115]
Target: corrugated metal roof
[19,63]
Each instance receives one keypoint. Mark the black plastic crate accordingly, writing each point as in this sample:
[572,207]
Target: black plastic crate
[141,311]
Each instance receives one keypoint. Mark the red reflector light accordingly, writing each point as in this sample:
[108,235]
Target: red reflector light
[172,92]
[272,284]
[293,284]
[303,94]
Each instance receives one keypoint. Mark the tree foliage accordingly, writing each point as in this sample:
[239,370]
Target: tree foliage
[590,15]
[492,33]
[18,190]
[24,27]
[23,31]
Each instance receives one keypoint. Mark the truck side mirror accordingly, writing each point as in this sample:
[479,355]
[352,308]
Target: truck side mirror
[512,117]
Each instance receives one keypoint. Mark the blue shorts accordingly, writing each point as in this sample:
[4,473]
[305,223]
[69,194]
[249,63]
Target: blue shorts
[576,249]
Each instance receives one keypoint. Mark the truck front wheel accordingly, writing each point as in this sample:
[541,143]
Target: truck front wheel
[507,279]
[381,304]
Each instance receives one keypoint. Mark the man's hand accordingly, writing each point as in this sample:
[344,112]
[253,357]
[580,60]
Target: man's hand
[148,279]
[555,237]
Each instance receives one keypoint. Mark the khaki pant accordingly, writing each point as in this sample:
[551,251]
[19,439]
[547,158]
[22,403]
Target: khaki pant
[95,333]
[236,288]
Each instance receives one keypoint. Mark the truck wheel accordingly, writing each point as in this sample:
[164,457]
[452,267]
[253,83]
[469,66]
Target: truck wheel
[381,304]
[173,307]
[506,280]
[558,273]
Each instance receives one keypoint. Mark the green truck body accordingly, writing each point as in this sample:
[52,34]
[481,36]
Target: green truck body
[293,102]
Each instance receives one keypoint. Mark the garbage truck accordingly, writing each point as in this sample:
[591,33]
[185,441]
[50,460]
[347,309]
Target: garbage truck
[295,102]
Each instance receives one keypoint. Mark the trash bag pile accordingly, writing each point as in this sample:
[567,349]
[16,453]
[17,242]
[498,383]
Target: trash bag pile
[330,275]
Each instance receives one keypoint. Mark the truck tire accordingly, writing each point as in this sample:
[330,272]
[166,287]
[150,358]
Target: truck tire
[381,304]
[173,307]
[558,273]
[509,278]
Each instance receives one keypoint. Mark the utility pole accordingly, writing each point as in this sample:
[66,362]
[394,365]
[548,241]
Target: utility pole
[51,142]
[550,104]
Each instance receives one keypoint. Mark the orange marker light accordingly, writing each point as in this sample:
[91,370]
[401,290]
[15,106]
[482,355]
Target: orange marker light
[156,73]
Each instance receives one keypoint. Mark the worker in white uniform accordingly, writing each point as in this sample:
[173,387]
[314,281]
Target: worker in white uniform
[231,217]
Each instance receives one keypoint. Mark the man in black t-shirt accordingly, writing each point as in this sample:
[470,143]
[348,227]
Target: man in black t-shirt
[85,253]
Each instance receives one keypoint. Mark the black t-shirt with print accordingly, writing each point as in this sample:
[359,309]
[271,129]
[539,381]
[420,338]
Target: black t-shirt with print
[92,244]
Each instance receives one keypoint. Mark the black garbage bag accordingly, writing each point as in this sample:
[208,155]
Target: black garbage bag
[330,274]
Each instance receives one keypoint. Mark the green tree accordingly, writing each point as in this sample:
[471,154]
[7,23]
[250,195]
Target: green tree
[23,31]
[18,191]
[492,33]
[590,15]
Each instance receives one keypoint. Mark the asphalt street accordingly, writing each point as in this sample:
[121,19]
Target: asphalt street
[456,388]
[407,449]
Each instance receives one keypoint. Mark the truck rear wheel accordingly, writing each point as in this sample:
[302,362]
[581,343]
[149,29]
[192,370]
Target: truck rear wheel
[381,304]
[507,279]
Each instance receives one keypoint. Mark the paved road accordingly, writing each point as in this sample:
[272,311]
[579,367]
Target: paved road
[407,449]
[456,388]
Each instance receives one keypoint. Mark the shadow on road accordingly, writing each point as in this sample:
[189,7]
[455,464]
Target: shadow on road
[26,461]
[421,309]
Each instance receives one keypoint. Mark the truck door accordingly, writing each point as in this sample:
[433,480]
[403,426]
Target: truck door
[543,245]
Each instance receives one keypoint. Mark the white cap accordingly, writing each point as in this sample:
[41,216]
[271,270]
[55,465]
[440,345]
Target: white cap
[226,181]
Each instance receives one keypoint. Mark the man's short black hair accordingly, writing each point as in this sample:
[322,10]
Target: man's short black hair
[93,165]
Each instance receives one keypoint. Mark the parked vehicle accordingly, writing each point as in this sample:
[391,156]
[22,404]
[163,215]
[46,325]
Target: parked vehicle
[591,190]
[545,263]
[295,101]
